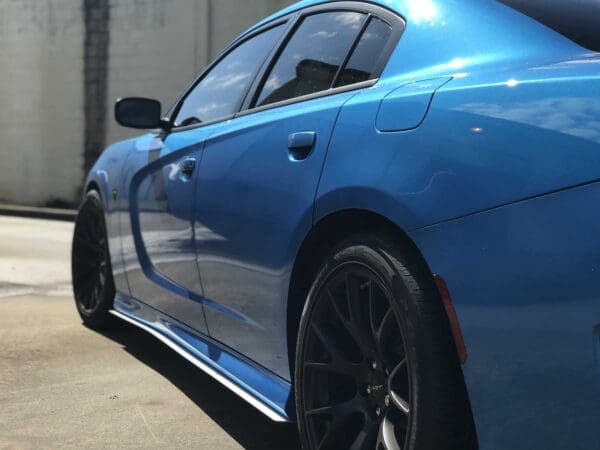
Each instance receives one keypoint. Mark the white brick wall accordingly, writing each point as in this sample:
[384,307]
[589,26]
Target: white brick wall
[40,98]
[157,47]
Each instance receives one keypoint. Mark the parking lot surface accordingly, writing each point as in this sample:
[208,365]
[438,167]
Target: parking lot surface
[65,386]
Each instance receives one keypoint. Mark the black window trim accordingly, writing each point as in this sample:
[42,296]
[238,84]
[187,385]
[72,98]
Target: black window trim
[291,22]
[397,23]
[262,79]
[174,110]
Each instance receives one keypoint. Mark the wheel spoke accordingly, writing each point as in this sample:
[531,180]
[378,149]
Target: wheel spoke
[332,437]
[86,269]
[366,438]
[339,409]
[348,369]
[388,320]
[328,342]
[400,403]
[85,298]
[397,400]
[387,438]
[395,372]
[85,245]
[338,312]
[374,326]
[87,262]
[360,330]
[88,284]
[95,298]
[95,228]
[321,411]
[339,363]
[337,432]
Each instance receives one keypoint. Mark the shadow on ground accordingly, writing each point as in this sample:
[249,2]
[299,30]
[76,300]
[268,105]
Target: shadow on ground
[241,421]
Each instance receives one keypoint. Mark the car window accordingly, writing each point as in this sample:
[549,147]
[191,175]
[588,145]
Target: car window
[367,54]
[578,20]
[221,91]
[312,57]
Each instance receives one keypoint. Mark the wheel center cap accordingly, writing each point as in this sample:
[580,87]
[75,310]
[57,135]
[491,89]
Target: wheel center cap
[377,388]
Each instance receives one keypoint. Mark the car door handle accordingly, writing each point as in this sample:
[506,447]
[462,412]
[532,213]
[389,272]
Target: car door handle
[301,144]
[186,169]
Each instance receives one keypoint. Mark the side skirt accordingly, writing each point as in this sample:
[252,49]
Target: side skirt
[262,389]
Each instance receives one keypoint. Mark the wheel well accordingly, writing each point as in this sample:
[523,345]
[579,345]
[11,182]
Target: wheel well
[92,186]
[327,234]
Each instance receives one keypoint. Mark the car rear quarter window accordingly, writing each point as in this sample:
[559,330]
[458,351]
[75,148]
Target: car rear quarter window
[578,20]
[367,53]
[312,57]
[221,91]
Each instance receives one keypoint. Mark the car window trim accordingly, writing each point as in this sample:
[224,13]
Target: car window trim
[297,24]
[292,21]
[174,110]
[307,97]
[395,21]
[350,52]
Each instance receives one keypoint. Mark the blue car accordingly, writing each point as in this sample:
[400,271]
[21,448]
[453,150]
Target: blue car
[378,219]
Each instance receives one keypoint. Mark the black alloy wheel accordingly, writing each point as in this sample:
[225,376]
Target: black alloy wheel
[355,365]
[375,367]
[93,284]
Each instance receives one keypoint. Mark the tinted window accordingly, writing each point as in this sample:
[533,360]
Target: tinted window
[367,54]
[579,20]
[312,57]
[221,91]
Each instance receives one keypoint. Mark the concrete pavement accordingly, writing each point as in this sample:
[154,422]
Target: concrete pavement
[64,386]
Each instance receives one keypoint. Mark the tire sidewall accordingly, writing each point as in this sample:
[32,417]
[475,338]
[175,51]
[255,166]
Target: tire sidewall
[101,315]
[368,252]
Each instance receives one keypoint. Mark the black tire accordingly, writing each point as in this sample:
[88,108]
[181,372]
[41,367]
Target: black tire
[93,284]
[341,369]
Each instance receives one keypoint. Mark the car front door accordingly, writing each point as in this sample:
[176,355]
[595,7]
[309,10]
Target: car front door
[258,178]
[161,174]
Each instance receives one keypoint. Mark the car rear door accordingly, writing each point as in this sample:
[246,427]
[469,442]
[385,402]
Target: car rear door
[161,174]
[258,179]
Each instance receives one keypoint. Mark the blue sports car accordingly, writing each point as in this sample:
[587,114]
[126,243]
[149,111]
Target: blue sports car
[380,219]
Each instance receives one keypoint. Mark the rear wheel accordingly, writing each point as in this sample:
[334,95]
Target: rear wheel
[375,363]
[93,283]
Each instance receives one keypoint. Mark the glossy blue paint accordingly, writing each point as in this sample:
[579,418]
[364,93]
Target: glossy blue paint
[269,393]
[524,279]
[480,140]
[405,108]
[158,234]
[106,177]
[254,206]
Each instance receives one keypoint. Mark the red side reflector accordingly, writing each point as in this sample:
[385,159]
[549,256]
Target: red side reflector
[459,341]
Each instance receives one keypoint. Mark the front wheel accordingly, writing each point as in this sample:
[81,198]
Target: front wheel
[93,283]
[375,363]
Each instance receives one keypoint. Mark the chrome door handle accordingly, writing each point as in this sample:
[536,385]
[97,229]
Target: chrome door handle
[300,145]
[186,169]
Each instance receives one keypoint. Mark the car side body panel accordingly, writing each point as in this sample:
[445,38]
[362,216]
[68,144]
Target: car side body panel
[254,204]
[106,177]
[157,234]
[524,281]
[489,139]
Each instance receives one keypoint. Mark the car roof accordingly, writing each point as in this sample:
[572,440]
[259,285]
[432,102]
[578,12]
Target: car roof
[402,7]
[451,36]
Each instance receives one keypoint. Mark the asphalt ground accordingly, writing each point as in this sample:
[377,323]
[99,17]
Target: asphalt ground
[65,386]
